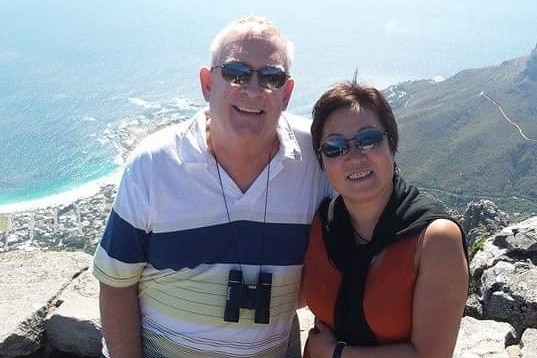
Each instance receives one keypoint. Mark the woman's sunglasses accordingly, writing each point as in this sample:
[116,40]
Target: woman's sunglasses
[366,139]
[240,73]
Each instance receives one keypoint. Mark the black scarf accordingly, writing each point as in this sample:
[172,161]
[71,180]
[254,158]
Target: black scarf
[407,212]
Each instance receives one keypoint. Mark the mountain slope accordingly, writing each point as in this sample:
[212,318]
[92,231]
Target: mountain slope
[455,137]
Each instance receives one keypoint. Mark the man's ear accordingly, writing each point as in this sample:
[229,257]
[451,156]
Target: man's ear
[287,91]
[206,82]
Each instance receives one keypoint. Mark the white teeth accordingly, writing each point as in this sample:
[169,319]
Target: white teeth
[249,110]
[359,175]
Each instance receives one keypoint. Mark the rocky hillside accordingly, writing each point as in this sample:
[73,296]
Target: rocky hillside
[474,133]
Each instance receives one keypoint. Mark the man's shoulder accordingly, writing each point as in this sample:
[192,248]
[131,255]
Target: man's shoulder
[165,141]
[298,123]
[299,126]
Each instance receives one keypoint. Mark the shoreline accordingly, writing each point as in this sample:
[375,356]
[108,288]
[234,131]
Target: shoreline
[66,197]
[125,137]
[75,219]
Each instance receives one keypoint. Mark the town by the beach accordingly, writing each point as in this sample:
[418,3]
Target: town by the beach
[75,220]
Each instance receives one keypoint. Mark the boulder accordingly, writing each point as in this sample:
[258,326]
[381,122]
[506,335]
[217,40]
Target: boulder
[30,282]
[512,297]
[528,344]
[74,325]
[483,260]
[504,276]
[480,339]
[482,218]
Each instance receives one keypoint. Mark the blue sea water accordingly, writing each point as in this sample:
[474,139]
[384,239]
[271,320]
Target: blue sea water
[71,70]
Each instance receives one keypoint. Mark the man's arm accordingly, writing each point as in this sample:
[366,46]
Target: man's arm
[120,319]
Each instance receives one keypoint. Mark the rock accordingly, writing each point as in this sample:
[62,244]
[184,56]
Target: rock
[481,219]
[483,339]
[513,351]
[473,307]
[484,259]
[509,294]
[528,344]
[74,326]
[504,276]
[520,242]
[30,281]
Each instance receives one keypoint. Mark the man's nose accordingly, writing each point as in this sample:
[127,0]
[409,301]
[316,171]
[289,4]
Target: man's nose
[253,86]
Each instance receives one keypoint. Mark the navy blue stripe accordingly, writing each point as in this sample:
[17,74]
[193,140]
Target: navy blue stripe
[244,242]
[123,241]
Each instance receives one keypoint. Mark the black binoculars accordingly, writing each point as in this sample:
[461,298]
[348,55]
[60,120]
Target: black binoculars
[242,295]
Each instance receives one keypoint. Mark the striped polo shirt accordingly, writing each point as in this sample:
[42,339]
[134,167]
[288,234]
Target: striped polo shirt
[169,232]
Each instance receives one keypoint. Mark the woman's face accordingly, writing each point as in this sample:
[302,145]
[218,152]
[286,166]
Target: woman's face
[360,175]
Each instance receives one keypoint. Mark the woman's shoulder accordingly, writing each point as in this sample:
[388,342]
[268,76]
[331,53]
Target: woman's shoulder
[442,241]
[443,229]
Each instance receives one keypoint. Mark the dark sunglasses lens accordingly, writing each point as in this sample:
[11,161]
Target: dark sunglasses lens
[335,147]
[369,138]
[236,72]
[272,77]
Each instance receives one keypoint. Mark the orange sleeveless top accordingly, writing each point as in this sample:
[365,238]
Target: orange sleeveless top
[388,294]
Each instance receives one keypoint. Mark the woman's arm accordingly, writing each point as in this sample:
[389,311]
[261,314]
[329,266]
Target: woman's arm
[439,300]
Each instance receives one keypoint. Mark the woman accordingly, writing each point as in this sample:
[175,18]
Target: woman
[386,271]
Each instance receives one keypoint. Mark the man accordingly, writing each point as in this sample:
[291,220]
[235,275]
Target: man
[204,247]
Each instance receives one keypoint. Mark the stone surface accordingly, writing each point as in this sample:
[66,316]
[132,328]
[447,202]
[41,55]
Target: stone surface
[74,326]
[528,344]
[504,277]
[481,219]
[473,307]
[511,296]
[29,282]
[480,339]
[524,240]
[513,351]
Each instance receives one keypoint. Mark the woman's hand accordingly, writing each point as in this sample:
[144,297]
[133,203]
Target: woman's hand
[321,341]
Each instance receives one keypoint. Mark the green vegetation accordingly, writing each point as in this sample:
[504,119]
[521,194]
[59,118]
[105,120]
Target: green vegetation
[476,247]
[454,138]
[514,206]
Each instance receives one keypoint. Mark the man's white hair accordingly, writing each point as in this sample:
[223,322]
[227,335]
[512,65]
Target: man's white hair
[252,24]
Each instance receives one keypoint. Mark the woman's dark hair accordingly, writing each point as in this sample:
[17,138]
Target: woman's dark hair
[350,95]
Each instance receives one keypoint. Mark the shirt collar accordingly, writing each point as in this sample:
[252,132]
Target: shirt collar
[193,140]
[288,141]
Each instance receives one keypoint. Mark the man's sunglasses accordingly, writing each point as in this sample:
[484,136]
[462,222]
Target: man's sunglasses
[366,139]
[240,73]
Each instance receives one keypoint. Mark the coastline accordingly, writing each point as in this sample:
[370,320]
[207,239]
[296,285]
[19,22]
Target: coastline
[75,219]
[65,197]
[123,137]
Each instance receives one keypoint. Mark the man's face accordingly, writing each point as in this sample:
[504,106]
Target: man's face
[248,110]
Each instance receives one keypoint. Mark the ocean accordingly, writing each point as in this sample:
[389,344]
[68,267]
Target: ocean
[73,71]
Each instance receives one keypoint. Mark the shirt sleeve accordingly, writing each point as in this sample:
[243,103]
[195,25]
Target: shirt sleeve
[120,257]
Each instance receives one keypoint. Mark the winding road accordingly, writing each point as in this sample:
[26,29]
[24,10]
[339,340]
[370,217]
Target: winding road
[507,117]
